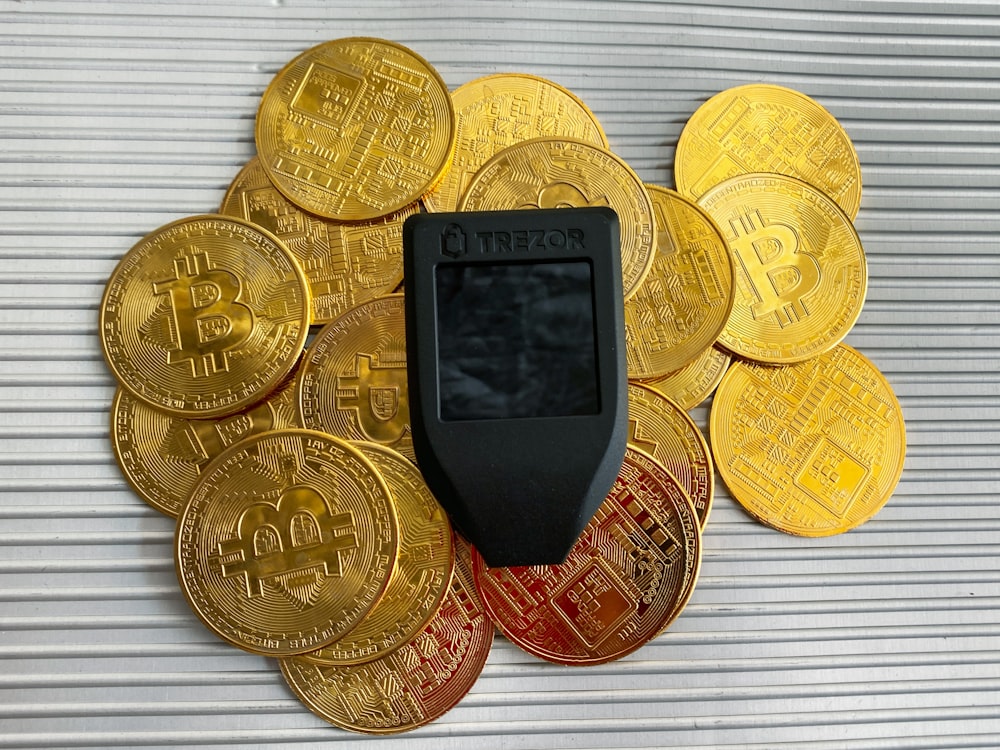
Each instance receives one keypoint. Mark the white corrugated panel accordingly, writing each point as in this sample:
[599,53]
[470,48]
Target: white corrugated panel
[117,117]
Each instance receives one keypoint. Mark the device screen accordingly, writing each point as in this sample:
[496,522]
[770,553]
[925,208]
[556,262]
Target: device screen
[516,340]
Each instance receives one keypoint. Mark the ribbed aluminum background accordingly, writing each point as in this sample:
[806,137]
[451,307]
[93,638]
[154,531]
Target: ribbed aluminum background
[117,117]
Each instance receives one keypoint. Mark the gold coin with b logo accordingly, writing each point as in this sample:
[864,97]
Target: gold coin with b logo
[204,316]
[287,541]
[353,382]
[801,274]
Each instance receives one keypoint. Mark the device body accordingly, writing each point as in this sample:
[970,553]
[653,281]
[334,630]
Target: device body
[516,367]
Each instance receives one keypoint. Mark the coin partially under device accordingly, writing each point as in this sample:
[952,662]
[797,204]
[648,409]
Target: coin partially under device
[516,364]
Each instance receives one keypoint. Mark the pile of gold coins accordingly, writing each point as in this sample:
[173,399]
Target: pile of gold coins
[305,530]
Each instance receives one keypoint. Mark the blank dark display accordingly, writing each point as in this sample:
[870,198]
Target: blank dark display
[516,340]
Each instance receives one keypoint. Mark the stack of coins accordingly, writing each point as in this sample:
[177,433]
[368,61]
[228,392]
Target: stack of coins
[305,530]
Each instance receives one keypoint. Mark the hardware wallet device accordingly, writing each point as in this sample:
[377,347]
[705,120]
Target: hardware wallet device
[515,345]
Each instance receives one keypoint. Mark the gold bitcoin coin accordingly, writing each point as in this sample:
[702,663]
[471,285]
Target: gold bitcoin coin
[685,300]
[345,263]
[812,449]
[765,128]
[356,128]
[412,686]
[662,429]
[204,317]
[162,456]
[423,569]
[695,382]
[560,173]
[497,111]
[627,577]
[801,274]
[353,382]
[288,539]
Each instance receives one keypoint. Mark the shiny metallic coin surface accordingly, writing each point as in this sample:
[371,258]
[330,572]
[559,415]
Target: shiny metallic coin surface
[682,306]
[560,173]
[765,128]
[353,381]
[423,569]
[412,686]
[346,263]
[287,541]
[497,111]
[162,456]
[663,429]
[801,273]
[356,128]
[693,383]
[627,577]
[812,449]
[204,317]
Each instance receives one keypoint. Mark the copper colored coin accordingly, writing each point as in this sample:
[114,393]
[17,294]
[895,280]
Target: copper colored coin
[627,577]
[413,685]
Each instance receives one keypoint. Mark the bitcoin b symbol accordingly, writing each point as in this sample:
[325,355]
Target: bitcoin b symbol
[207,318]
[278,541]
[782,275]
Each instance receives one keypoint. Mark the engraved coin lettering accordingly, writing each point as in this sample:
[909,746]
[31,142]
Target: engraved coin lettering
[662,429]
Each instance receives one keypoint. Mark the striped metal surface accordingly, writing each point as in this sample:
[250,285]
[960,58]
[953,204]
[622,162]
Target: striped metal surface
[116,117]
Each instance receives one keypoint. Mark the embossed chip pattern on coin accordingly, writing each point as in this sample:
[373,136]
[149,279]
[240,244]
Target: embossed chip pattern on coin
[413,685]
[346,263]
[162,456]
[561,173]
[801,273]
[626,578]
[423,569]
[694,382]
[812,449]
[356,128]
[662,429]
[497,111]
[353,382]
[204,316]
[765,128]
[683,304]
[288,539]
